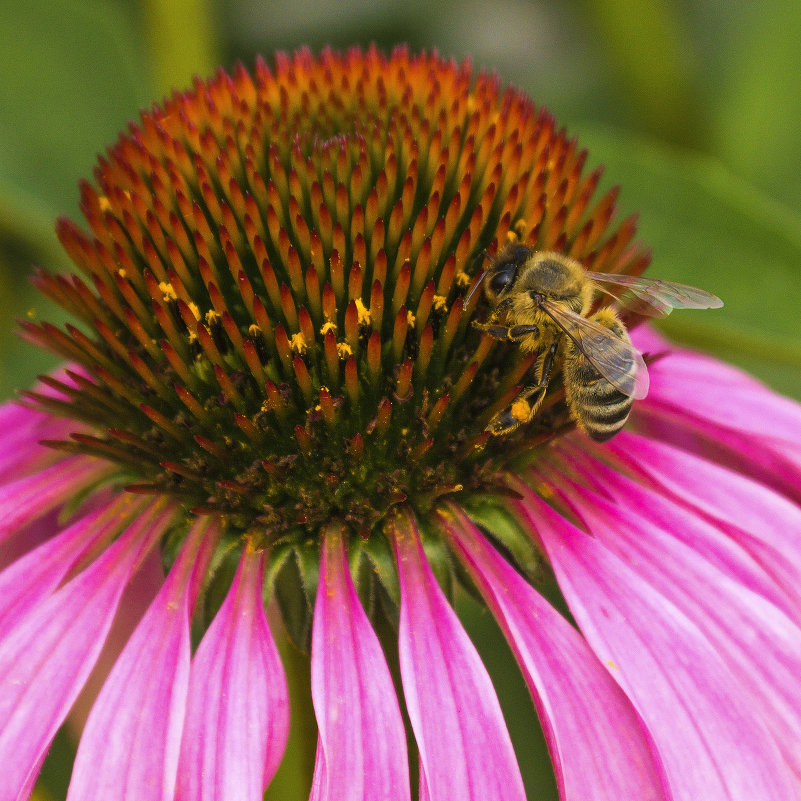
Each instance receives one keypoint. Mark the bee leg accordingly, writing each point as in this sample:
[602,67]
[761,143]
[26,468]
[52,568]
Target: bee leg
[519,331]
[512,334]
[525,405]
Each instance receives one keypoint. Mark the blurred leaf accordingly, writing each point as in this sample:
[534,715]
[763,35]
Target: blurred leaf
[74,75]
[711,229]
[757,106]
[646,43]
[182,39]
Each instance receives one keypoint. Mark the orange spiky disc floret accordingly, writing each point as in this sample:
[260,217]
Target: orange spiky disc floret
[270,301]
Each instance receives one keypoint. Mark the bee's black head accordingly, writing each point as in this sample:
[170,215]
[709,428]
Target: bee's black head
[505,268]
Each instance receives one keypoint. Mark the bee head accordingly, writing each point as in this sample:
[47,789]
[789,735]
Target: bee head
[504,271]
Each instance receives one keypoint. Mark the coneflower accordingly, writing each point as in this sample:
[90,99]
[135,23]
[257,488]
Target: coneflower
[273,380]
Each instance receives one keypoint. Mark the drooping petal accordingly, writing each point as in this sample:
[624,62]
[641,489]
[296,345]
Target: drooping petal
[763,522]
[23,429]
[712,745]
[730,554]
[705,388]
[465,750]
[722,414]
[131,743]
[579,703]
[361,754]
[759,643]
[237,717]
[27,499]
[47,657]
[39,572]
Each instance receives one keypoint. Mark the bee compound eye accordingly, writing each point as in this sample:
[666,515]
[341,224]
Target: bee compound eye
[502,280]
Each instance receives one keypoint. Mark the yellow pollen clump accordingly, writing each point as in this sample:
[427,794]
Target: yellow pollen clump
[439,303]
[194,309]
[517,232]
[167,291]
[121,273]
[329,326]
[212,317]
[410,318]
[298,343]
[520,411]
[344,350]
[254,331]
[104,204]
[462,279]
[363,312]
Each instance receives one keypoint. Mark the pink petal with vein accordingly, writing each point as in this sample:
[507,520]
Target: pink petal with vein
[29,498]
[39,572]
[361,754]
[703,533]
[712,745]
[465,751]
[765,524]
[237,717]
[599,746]
[22,431]
[131,742]
[45,660]
[703,387]
[722,414]
[760,644]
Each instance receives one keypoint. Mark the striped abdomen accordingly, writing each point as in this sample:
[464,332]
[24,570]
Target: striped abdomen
[597,407]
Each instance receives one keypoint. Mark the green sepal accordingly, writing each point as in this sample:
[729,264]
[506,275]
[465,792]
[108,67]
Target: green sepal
[363,574]
[440,561]
[219,578]
[384,572]
[294,583]
[507,534]
[171,543]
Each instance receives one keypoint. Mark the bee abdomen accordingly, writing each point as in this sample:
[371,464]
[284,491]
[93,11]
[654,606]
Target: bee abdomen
[601,412]
[595,404]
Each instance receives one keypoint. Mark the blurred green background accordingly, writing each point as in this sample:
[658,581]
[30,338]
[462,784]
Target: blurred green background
[693,105]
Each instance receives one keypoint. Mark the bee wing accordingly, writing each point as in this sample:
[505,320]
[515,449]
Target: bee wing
[658,298]
[615,359]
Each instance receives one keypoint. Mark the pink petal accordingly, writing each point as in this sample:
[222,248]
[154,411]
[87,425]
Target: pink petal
[47,657]
[27,499]
[237,717]
[465,751]
[131,742]
[710,390]
[599,747]
[39,572]
[361,754]
[759,643]
[760,520]
[712,746]
[701,532]
[23,429]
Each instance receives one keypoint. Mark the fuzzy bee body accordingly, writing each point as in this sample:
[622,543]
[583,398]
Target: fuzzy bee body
[597,406]
[542,301]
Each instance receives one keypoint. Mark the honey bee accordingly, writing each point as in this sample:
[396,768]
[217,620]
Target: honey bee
[541,300]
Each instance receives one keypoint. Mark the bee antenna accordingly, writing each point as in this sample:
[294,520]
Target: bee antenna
[479,258]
